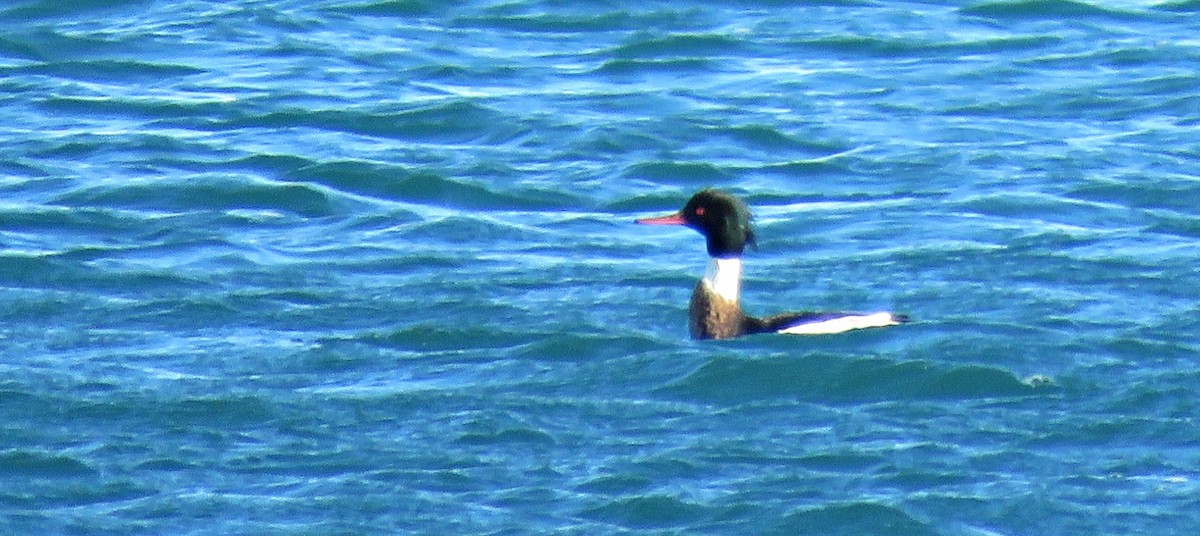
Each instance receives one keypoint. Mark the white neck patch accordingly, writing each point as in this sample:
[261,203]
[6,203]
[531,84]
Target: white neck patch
[724,276]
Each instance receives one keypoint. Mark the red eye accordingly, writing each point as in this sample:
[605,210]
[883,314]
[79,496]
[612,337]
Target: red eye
[699,211]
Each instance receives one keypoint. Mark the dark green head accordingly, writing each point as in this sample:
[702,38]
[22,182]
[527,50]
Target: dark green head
[722,218]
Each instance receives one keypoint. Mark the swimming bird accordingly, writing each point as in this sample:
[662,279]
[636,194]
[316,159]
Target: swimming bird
[714,311]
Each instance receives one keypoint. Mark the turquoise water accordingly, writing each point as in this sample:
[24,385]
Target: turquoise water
[328,267]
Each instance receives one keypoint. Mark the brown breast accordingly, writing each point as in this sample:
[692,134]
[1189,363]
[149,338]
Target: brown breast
[712,317]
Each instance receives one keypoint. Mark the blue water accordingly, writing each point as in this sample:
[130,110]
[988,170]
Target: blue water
[369,267]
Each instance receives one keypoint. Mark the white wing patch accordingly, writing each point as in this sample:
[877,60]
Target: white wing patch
[842,324]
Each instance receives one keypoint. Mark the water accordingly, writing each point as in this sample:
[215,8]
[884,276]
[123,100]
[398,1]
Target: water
[318,267]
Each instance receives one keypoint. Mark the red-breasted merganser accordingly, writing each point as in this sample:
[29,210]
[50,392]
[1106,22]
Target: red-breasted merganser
[714,312]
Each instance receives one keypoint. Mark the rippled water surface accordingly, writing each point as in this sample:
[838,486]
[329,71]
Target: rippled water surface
[369,267]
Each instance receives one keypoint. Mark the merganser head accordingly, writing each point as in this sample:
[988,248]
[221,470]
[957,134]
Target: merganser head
[722,218]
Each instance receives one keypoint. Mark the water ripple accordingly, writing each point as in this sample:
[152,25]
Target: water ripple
[371,267]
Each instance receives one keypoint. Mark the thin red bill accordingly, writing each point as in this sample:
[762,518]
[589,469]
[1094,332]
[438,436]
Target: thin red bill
[673,219]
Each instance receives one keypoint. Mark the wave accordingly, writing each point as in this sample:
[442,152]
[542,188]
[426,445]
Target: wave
[656,66]
[684,173]
[99,70]
[73,220]
[616,484]
[685,45]
[62,271]
[834,379]
[853,519]
[1017,206]
[1178,225]
[457,121]
[1180,195]
[1043,10]
[768,137]
[1185,6]
[166,110]
[589,346]
[431,337]
[904,46]
[213,193]
[508,436]
[388,8]
[587,21]
[43,9]
[401,183]
[801,168]
[650,511]
[27,464]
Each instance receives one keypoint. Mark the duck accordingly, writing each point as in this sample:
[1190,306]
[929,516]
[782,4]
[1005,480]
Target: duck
[715,311]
